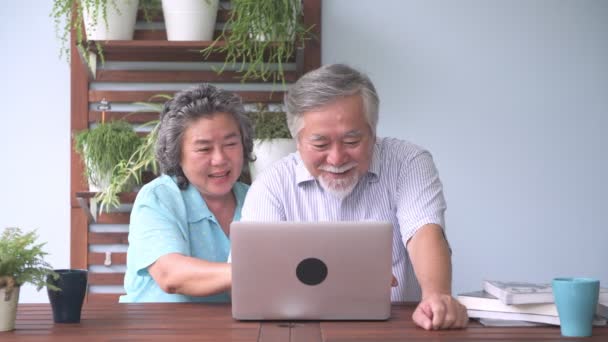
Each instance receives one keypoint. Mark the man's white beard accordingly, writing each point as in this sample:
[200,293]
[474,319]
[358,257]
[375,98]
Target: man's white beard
[342,187]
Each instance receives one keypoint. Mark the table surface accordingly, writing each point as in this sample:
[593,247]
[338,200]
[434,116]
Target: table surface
[213,322]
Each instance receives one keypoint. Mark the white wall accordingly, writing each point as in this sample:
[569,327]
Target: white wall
[511,97]
[35,126]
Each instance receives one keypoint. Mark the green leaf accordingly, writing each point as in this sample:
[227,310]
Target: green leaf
[22,260]
[258,34]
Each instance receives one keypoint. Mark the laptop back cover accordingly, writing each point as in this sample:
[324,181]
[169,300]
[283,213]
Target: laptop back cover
[311,270]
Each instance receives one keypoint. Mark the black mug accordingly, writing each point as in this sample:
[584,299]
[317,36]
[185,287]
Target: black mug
[67,303]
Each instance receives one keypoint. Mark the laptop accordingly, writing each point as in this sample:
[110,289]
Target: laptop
[311,270]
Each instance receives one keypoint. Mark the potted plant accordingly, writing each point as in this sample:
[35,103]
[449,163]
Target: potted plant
[130,170]
[103,147]
[103,20]
[272,138]
[261,36]
[190,19]
[21,261]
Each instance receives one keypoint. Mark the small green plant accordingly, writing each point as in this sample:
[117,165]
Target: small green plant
[22,261]
[269,124]
[131,168]
[261,36]
[105,146]
[68,15]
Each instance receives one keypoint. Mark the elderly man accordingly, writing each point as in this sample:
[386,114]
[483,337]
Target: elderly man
[343,172]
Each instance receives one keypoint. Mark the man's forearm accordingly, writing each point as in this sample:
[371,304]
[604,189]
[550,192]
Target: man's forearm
[431,259]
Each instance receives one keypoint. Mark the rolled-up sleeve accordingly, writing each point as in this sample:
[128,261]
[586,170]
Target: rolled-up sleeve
[154,230]
[420,199]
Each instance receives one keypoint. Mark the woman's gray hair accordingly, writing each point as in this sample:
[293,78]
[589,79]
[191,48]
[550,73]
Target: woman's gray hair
[323,86]
[187,106]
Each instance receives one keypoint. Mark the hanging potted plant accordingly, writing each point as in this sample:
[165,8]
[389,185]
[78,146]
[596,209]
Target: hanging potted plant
[103,20]
[260,37]
[103,147]
[21,261]
[272,141]
[130,170]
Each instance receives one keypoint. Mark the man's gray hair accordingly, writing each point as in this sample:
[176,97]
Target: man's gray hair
[187,106]
[325,85]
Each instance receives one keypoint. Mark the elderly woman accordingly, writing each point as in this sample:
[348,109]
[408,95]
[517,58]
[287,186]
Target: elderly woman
[180,222]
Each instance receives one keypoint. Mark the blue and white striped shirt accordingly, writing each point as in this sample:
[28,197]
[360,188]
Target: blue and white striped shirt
[402,186]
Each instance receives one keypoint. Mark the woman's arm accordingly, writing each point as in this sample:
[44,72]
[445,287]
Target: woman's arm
[177,273]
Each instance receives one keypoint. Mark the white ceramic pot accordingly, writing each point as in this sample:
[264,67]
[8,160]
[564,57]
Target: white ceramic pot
[99,184]
[120,21]
[8,309]
[190,19]
[269,151]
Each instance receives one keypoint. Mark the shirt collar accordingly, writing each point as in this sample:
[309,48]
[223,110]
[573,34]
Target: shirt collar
[197,208]
[195,205]
[302,174]
[240,190]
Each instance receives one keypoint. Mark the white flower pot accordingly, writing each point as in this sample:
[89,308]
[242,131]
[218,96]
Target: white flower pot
[269,151]
[8,309]
[97,182]
[190,19]
[100,185]
[120,21]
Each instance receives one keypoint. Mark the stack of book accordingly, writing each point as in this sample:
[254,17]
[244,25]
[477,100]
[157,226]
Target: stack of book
[520,304]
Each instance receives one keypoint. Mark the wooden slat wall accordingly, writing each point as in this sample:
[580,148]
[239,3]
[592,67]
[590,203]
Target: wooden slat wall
[123,86]
[99,258]
[148,95]
[176,76]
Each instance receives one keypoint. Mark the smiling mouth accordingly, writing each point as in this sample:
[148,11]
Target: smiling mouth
[219,175]
[338,174]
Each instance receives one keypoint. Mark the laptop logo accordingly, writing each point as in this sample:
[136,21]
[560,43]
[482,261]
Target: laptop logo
[311,271]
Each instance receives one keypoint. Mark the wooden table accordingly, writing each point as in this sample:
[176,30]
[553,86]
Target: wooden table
[213,322]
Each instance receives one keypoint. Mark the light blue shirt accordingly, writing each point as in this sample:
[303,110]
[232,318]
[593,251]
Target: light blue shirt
[402,186]
[164,220]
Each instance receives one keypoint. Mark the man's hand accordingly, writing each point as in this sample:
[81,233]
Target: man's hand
[440,311]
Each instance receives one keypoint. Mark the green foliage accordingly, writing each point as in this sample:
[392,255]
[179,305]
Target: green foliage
[128,170]
[131,168]
[65,20]
[22,260]
[150,8]
[105,146]
[260,33]
[68,15]
[268,124]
